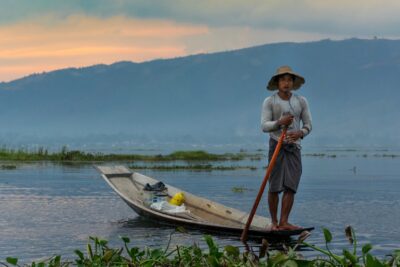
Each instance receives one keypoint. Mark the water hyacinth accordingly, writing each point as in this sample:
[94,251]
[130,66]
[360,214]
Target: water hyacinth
[98,253]
[42,154]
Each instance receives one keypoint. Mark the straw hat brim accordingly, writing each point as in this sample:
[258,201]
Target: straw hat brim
[297,83]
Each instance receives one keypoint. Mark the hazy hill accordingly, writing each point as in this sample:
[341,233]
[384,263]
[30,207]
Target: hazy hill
[352,87]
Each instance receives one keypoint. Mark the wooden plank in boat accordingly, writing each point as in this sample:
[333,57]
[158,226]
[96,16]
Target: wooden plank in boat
[114,171]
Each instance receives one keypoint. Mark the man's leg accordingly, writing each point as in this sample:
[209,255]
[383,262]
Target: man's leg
[273,200]
[287,204]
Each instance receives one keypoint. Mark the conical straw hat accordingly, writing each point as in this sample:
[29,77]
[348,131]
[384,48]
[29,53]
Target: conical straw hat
[273,82]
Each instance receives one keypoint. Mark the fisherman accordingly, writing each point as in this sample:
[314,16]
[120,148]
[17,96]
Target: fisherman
[285,109]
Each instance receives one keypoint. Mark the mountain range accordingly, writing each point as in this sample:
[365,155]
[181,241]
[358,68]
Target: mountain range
[216,98]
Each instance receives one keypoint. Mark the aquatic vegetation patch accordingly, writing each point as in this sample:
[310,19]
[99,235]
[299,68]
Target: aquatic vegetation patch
[240,189]
[387,155]
[320,155]
[191,167]
[8,167]
[99,253]
[315,155]
[42,154]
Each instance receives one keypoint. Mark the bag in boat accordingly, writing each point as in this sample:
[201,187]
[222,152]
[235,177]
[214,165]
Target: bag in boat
[160,186]
[164,206]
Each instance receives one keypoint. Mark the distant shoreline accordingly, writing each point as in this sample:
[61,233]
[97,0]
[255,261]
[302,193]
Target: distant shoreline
[78,156]
[66,155]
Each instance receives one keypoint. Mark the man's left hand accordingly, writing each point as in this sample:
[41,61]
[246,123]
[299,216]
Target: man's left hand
[292,137]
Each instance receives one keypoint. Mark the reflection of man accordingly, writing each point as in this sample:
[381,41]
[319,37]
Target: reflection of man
[285,109]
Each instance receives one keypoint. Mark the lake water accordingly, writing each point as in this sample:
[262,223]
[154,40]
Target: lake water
[51,209]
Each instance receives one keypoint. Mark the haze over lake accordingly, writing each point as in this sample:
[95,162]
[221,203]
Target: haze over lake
[208,99]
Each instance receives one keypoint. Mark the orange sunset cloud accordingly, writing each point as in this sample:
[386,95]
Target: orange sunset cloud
[46,44]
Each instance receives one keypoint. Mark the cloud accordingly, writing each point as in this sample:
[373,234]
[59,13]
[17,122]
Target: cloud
[230,38]
[336,17]
[47,43]
[42,35]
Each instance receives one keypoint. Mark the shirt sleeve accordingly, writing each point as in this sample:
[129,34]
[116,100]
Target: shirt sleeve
[306,117]
[267,122]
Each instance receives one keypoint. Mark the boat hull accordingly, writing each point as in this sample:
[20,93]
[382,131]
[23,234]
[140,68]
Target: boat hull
[208,216]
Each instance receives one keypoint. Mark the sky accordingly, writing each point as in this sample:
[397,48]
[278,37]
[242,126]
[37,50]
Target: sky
[42,35]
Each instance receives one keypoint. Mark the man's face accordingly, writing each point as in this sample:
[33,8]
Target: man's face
[285,83]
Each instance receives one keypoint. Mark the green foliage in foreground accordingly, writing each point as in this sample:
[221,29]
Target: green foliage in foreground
[98,253]
[42,154]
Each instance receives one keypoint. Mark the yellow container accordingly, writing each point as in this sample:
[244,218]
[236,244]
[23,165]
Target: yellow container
[177,199]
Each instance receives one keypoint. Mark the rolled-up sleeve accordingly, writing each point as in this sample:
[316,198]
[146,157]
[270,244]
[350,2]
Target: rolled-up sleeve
[306,117]
[267,122]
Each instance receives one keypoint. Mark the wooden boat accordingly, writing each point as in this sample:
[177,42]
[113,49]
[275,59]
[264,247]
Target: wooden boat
[201,213]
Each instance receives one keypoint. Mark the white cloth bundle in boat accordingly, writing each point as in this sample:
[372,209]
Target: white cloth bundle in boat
[164,206]
[178,211]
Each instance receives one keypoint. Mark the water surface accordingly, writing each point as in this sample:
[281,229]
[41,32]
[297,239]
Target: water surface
[51,209]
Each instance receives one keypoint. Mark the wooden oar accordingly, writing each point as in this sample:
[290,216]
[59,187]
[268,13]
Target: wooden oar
[271,165]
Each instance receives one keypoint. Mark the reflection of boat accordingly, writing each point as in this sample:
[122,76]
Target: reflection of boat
[200,213]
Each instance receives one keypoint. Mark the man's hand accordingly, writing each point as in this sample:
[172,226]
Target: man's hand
[292,137]
[285,120]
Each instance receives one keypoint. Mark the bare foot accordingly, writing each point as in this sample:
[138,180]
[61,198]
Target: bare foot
[273,227]
[288,226]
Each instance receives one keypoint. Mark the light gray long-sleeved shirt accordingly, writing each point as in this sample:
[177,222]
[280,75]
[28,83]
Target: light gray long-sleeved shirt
[275,107]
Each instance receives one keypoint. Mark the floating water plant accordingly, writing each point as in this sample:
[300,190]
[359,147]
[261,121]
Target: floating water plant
[8,167]
[99,253]
[77,155]
[239,189]
[191,167]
